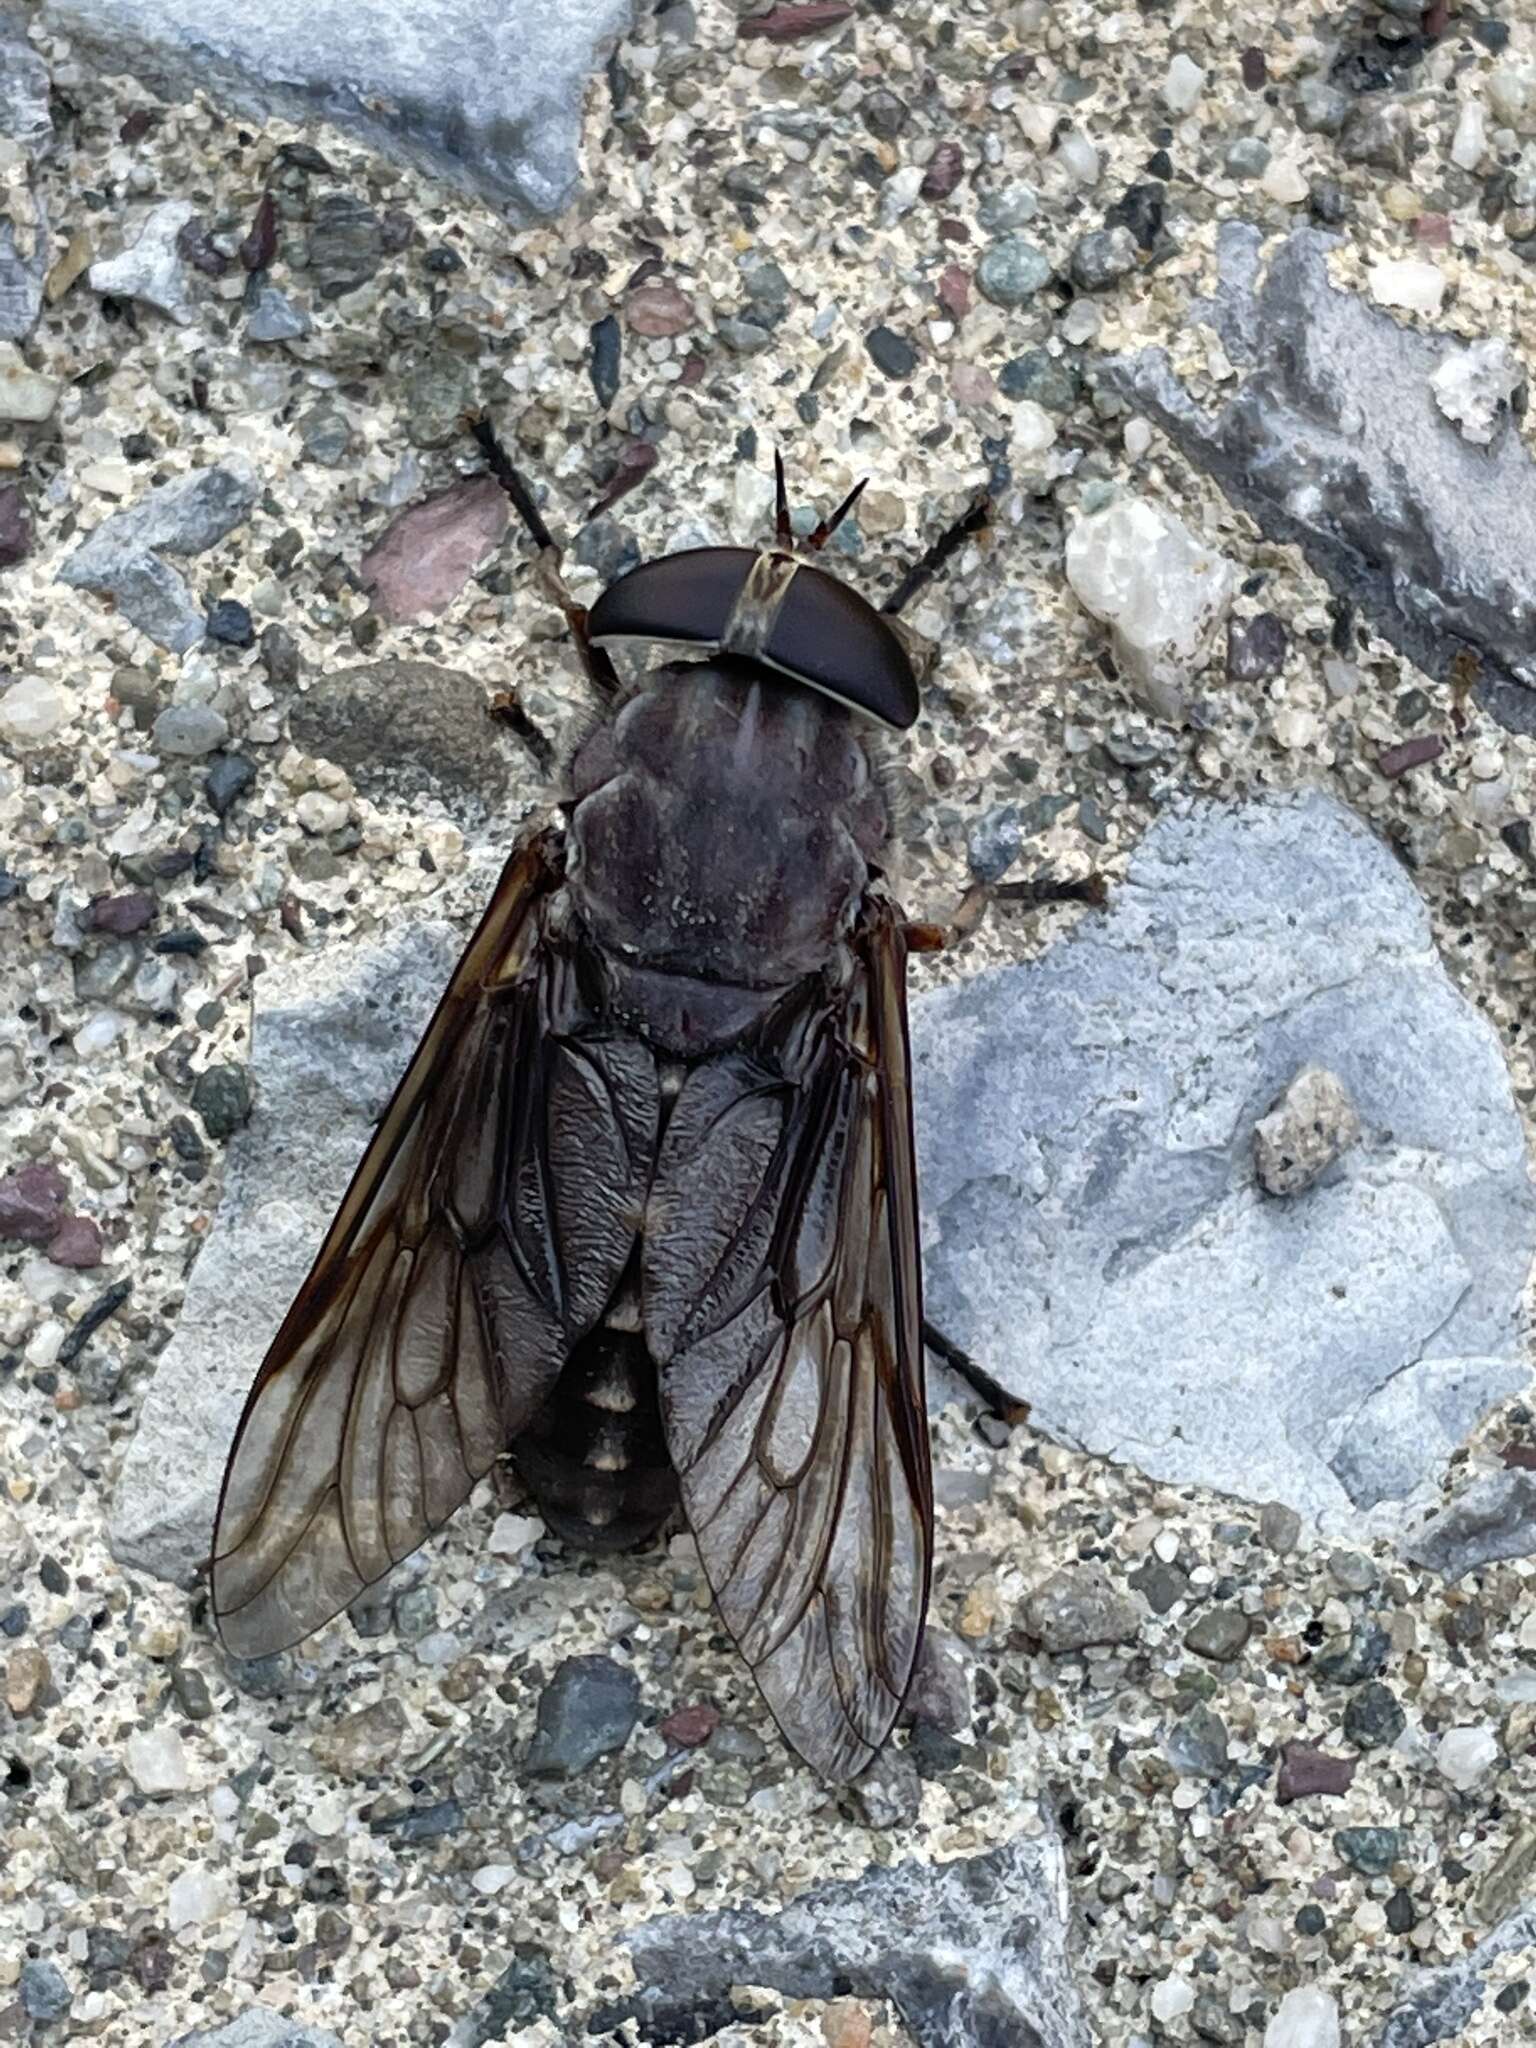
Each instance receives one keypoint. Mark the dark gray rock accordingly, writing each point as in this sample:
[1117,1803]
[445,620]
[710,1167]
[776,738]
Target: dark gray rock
[45,1992]
[1373,1717]
[403,729]
[588,1709]
[1094,1229]
[1437,2005]
[1360,1655]
[523,1993]
[271,315]
[221,1096]
[972,1953]
[1197,1745]
[346,244]
[121,556]
[1494,1517]
[1334,443]
[485,95]
[1371,1851]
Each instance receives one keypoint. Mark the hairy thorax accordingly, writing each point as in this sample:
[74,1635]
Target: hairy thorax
[725,826]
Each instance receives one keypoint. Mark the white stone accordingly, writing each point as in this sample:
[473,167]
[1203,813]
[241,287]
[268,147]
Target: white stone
[1078,158]
[1462,1755]
[1471,136]
[1284,181]
[1308,2018]
[1161,591]
[24,394]
[1474,385]
[157,1763]
[491,1878]
[1033,428]
[318,813]
[32,710]
[1183,85]
[1512,95]
[151,269]
[1137,436]
[99,1033]
[1171,1999]
[515,1535]
[197,1897]
[1409,284]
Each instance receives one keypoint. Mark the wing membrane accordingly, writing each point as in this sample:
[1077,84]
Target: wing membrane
[782,1302]
[420,1340]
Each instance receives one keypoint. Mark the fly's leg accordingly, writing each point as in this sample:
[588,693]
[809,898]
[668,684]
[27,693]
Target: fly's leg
[924,570]
[973,906]
[506,708]
[994,1395]
[599,670]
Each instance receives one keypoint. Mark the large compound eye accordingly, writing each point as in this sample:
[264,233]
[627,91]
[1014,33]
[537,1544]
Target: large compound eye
[684,598]
[828,636]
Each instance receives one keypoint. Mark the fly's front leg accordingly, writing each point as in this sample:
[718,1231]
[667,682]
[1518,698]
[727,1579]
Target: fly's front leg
[600,672]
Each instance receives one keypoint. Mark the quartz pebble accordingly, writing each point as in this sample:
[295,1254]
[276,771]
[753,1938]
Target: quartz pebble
[1163,593]
[1473,387]
[1463,1755]
[32,710]
[1308,2018]
[151,268]
[1408,284]
[157,1763]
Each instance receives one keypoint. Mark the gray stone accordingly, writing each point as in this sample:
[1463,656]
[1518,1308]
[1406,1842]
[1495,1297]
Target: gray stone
[271,315]
[972,1953]
[1079,1606]
[1493,1518]
[1280,1527]
[1102,258]
[889,1794]
[1334,443]
[346,244]
[484,95]
[1219,1634]
[1373,1717]
[121,556]
[258,2027]
[26,120]
[1371,1851]
[1351,1659]
[45,1992]
[587,1710]
[189,730]
[150,269]
[1011,271]
[1437,2005]
[1197,1745]
[1093,1229]
[403,729]
[1311,1126]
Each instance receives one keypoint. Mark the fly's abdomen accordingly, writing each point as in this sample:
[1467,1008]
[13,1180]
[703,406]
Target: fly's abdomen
[594,1457]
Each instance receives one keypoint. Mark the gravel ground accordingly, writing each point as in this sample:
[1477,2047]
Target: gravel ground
[820,245]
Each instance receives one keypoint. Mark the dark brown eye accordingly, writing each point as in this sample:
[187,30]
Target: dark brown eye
[828,636]
[685,597]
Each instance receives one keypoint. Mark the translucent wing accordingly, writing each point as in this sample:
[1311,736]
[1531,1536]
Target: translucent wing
[423,1336]
[782,1302]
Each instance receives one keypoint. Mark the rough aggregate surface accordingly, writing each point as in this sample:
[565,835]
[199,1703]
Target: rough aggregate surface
[1282,1774]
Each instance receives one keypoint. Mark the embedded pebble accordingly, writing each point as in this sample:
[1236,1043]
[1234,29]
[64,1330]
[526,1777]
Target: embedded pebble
[1475,385]
[151,268]
[32,709]
[1163,593]
[1311,1126]
[157,1762]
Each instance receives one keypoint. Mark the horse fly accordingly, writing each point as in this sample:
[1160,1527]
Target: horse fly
[641,1218]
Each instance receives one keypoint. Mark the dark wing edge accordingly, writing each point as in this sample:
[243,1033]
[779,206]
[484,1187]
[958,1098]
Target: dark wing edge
[790,1341]
[388,1390]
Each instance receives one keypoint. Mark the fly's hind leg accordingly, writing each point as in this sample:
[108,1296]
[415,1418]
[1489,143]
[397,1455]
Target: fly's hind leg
[599,670]
[995,1397]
